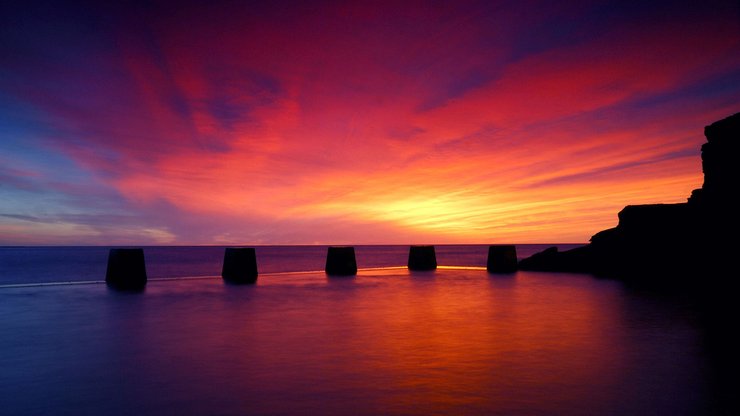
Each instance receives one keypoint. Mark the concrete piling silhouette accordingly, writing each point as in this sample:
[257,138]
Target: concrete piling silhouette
[240,265]
[341,261]
[126,269]
[501,259]
[422,258]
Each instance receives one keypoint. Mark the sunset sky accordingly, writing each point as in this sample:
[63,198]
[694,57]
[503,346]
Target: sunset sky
[304,122]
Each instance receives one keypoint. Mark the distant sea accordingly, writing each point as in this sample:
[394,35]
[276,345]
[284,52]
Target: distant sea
[388,341]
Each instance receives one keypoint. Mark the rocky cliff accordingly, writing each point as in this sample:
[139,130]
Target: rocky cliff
[668,241]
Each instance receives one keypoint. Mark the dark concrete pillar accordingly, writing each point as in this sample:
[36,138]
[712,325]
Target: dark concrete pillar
[126,268]
[240,265]
[340,261]
[502,259]
[422,258]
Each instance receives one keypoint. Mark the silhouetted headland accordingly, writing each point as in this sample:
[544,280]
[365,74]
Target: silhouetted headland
[686,247]
[668,241]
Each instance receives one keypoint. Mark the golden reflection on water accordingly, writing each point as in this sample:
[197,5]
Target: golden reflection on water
[389,341]
[458,345]
[452,341]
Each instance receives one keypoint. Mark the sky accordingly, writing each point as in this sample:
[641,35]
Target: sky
[342,122]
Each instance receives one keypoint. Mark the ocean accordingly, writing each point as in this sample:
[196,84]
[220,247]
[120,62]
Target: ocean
[387,341]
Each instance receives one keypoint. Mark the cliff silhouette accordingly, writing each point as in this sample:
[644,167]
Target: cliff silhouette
[668,241]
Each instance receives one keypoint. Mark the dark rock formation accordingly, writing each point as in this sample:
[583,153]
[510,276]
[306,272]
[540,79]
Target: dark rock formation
[126,269]
[240,265]
[340,261]
[501,259]
[422,258]
[667,241]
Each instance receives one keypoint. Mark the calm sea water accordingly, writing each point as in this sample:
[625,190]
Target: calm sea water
[390,341]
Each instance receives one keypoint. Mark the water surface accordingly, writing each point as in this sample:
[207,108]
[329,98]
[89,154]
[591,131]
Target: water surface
[384,342]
